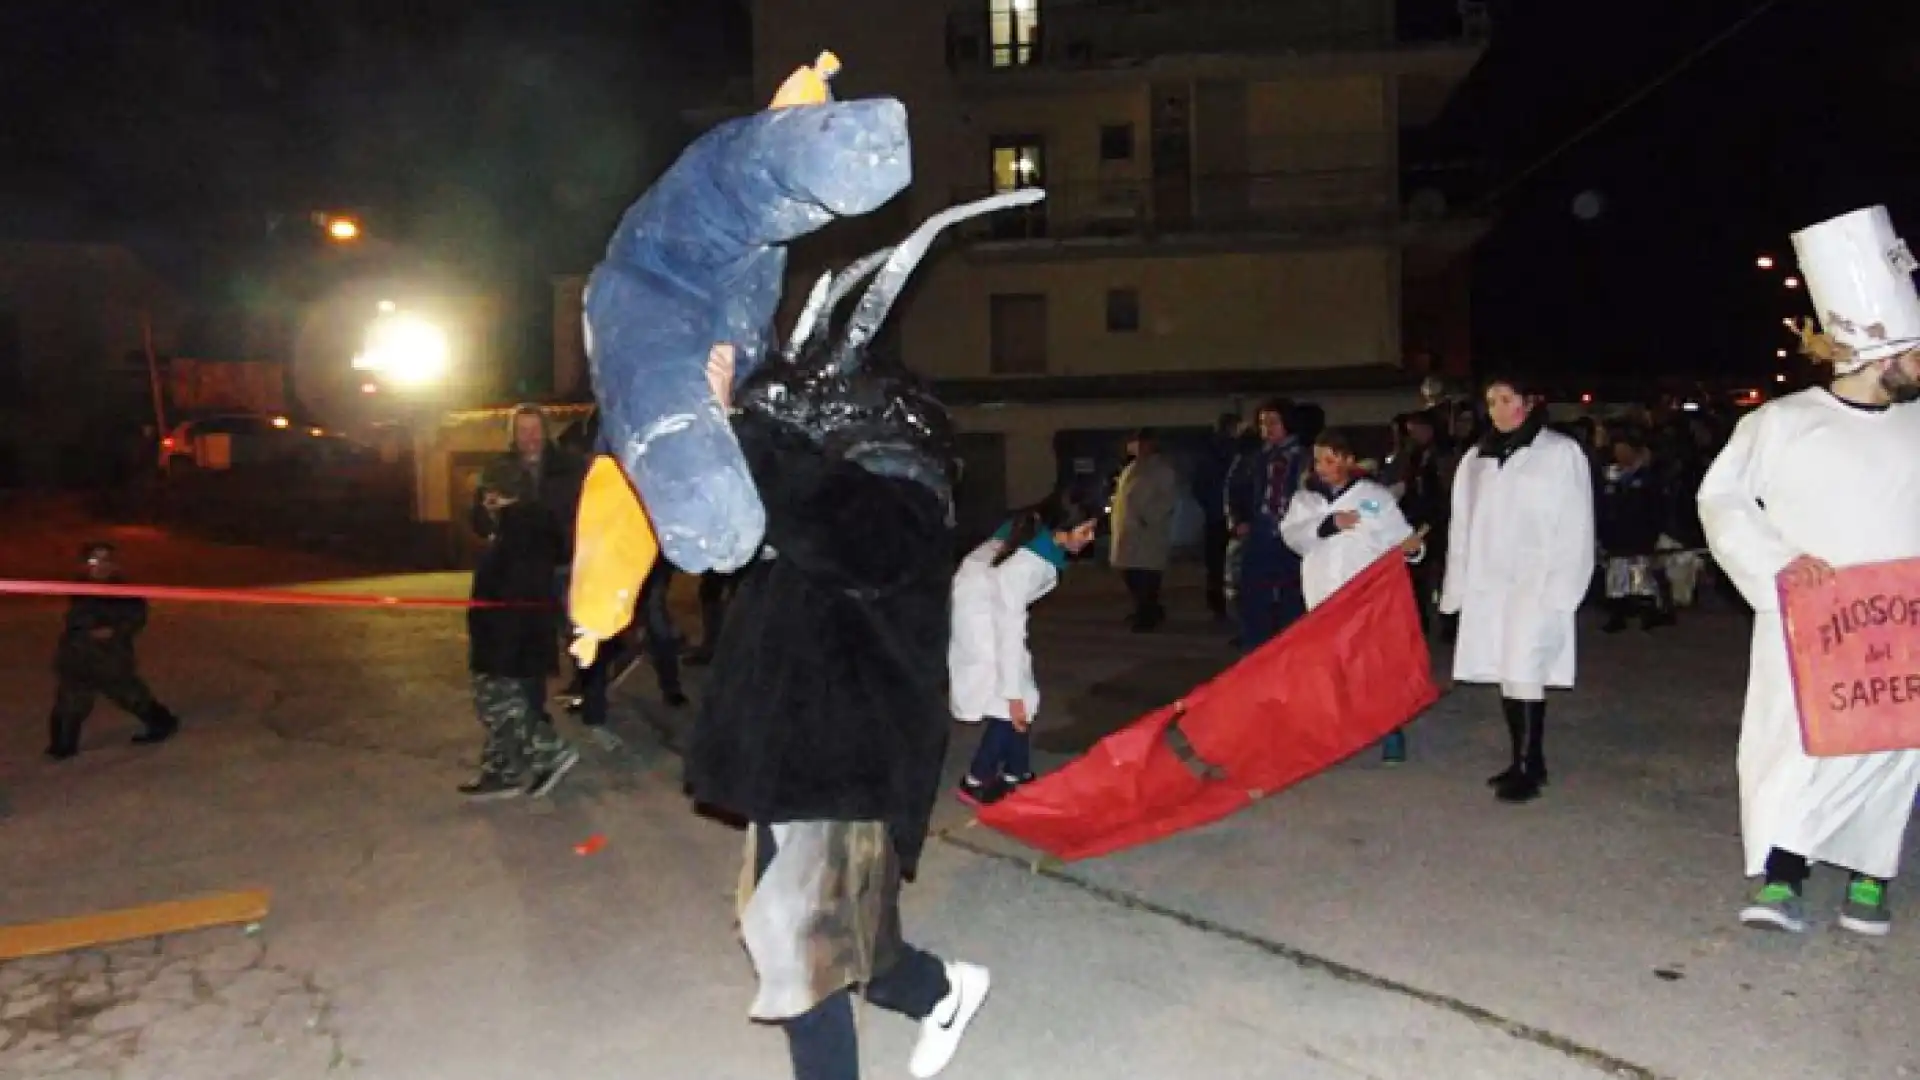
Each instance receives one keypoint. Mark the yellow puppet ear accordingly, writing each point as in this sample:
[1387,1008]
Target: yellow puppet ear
[614,551]
[808,85]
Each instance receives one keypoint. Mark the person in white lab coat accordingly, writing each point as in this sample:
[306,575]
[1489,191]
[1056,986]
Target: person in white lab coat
[989,668]
[1341,524]
[1824,478]
[1519,561]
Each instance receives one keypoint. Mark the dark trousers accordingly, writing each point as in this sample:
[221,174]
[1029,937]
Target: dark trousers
[1004,752]
[74,699]
[1145,587]
[1215,540]
[823,1041]
[1266,612]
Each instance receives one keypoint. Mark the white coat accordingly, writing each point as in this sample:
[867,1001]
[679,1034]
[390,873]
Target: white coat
[1809,474]
[1328,562]
[988,663]
[1143,505]
[1519,561]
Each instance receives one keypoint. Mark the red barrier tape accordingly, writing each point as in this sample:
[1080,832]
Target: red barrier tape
[286,597]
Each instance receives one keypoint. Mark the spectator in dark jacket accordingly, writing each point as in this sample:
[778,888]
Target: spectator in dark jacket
[512,649]
[1633,514]
[95,658]
[1424,501]
[1210,491]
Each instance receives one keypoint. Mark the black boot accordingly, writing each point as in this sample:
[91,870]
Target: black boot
[1533,766]
[161,724]
[1517,734]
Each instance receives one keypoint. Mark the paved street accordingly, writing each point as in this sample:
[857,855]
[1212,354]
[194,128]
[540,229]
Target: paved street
[1372,923]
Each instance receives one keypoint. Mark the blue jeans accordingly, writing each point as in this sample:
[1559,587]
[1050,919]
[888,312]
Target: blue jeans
[1003,752]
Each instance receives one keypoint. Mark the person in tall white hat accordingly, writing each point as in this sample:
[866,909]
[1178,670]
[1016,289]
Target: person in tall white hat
[1824,478]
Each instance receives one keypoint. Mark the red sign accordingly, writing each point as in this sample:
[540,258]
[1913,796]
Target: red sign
[1854,648]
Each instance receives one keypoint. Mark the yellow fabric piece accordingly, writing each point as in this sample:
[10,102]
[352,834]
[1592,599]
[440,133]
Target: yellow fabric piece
[808,85]
[614,551]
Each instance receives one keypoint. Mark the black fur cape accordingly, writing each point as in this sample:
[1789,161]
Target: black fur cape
[828,700]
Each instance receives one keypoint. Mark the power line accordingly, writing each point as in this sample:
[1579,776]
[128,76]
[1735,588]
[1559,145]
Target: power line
[1631,100]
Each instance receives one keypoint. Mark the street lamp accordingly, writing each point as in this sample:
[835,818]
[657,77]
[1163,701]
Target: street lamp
[1764,262]
[1781,353]
[405,350]
[1793,283]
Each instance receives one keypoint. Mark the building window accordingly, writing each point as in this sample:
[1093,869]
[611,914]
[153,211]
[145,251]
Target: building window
[1123,311]
[1019,334]
[1015,25]
[1019,161]
[1116,142]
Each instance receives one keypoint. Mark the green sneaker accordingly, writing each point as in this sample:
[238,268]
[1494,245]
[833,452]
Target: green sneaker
[1865,911]
[1777,906]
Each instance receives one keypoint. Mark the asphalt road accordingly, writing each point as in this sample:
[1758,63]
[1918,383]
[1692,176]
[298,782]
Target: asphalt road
[1371,923]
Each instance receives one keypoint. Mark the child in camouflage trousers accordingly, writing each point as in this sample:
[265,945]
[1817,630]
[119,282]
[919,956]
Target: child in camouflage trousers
[95,658]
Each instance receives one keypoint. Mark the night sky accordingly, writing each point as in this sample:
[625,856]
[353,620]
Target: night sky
[508,134]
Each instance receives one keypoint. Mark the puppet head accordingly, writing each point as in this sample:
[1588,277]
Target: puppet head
[833,393]
[699,262]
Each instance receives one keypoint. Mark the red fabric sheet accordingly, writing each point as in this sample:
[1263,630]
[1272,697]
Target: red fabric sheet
[1335,683]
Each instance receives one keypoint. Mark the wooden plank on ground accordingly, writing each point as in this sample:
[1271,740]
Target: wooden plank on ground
[132,924]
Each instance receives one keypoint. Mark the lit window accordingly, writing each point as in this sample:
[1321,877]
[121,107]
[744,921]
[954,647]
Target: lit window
[1017,164]
[1015,26]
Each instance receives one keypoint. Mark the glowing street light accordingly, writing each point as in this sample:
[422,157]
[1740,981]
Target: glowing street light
[405,350]
[343,230]
[1793,283]
[1781,353]
[1764,262]
[1779,378]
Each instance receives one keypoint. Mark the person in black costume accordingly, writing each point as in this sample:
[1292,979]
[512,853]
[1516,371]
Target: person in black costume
[95,658]
[826,724]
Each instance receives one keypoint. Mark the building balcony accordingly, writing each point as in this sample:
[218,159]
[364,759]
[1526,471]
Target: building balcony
[1036,37]
[1228,212]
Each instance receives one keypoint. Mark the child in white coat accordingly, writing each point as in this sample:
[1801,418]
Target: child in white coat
[989,667]
[1340,524]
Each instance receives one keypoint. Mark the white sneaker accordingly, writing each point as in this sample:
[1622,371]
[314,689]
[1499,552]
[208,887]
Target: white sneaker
[941,1031]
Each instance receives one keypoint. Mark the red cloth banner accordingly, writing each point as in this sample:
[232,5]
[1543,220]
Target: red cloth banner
[1335,683]
[1854,648]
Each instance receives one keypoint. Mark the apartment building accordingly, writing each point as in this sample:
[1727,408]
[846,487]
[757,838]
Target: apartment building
[1226,215]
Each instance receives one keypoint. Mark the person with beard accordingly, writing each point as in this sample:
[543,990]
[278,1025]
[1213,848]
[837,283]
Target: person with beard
[1519,560]
[827,729]
[1824,478]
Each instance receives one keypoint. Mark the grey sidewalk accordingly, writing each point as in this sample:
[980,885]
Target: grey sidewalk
[1371,923]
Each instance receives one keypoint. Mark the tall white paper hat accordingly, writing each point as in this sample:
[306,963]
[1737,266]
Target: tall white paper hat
[1860,277]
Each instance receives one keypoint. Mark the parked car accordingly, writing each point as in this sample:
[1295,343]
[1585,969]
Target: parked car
[239,440]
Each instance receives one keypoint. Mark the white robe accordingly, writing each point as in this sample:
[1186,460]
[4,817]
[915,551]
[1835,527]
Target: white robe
[1809,474]
[1519,562]
[988,662]
[1328,562]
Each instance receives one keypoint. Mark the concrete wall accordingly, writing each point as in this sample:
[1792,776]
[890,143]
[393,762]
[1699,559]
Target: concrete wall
[1283,310]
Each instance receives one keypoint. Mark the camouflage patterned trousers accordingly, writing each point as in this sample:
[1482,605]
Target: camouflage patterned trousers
[520,738]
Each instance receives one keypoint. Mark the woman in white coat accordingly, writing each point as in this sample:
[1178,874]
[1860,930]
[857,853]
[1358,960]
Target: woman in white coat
[1340,524]
[989,667]
[1519,562]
